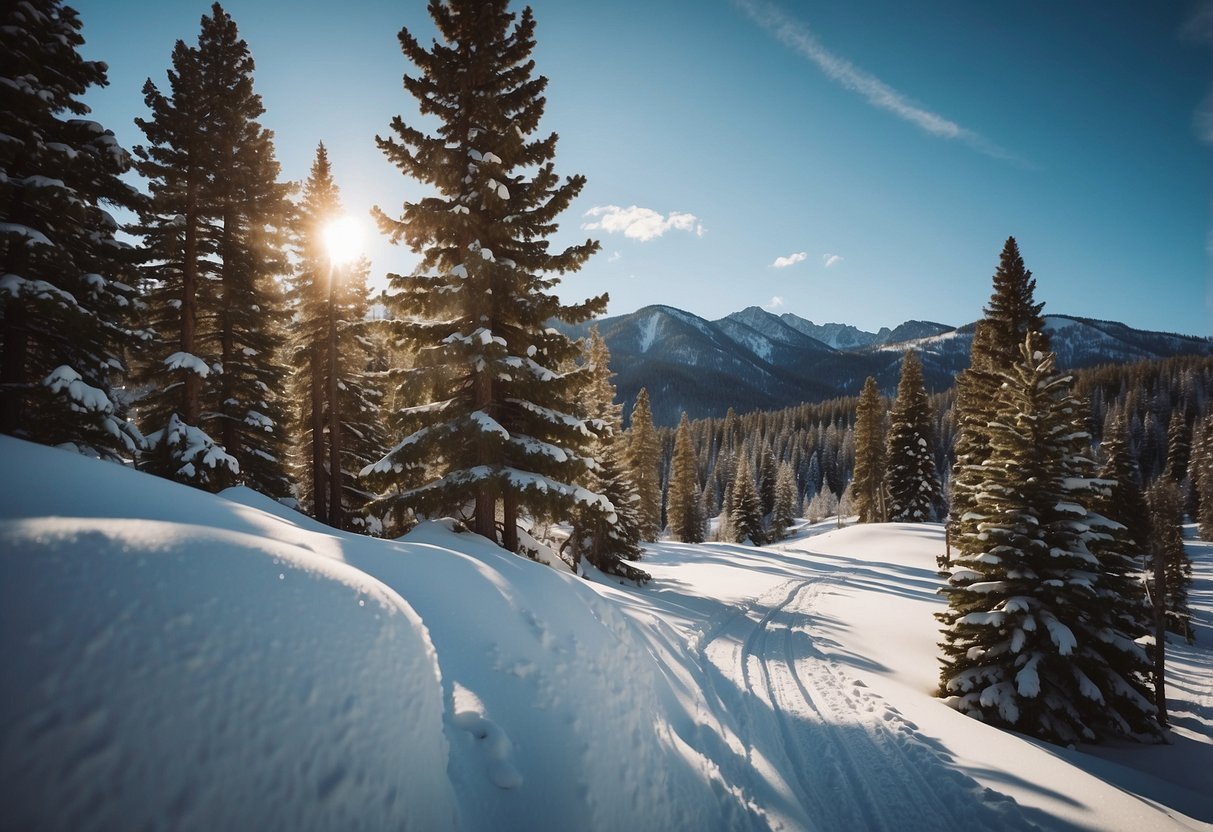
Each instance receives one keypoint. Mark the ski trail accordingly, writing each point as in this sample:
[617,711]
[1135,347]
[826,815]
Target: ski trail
[856,762]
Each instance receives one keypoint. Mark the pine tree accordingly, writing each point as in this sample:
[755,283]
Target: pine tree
[685,511]
[868,483]
[913,483]
[1179,446]
[500,427]
[746,517]
[608,540]
[331,361]
[768,469]
[213,238]
[784,513]
[643,457]
[1124,501]
[1011,315]
[1167,546]
[64,303]
[1200,468]
[1034,635]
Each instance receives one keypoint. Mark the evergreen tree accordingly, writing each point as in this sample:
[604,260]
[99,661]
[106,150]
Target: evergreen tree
[608,540]
[1011,315]
[1124,501]
[643,457]
[338,402]
[784,512]
[1179,446]
[500,426]
[64,302]
[1034,636]
[213,234]
[1167,546]
[913,483]
[1200,468]
[685,510]
[746,517]
[768,469]
[868,484]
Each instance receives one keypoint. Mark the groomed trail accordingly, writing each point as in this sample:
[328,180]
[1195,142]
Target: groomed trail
[857,762]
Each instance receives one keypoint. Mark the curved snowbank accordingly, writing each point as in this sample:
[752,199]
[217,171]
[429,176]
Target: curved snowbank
[165,675]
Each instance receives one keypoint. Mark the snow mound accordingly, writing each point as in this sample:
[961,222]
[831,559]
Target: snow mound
[160,674]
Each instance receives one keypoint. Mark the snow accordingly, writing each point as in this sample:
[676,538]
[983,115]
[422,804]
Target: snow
[648,331]
[187,361]
[84,397]
[182,660]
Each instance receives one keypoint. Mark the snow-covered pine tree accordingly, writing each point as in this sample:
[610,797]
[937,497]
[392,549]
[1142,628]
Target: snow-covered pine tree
[868,482]
[913,483]
[329,354]
[248,412]
[745,520]
[608,541]
[644,463]
[1167,544]
[64,305]
[784,513]
[1200,469]
[1179,446]
[768,470]
[1011,315]
[500,428]
[684,509]
[1030,638]
[212,232]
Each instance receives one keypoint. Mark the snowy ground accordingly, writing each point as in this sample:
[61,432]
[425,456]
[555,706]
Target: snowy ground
[177,660]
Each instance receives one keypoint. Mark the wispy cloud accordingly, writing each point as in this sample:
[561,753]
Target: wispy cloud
[790,260]
[831,259]
[774,303]
[800,39]
[639,223]
[614,256]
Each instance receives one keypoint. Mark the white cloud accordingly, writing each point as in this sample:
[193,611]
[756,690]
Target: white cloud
[800,39]
[639,223]
[831,259]
[614,256]
[790,260]
[774,303]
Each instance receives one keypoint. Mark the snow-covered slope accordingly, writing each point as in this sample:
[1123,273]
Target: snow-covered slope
[179,660]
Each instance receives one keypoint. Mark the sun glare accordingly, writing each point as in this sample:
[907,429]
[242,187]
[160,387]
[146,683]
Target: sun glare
[343,239]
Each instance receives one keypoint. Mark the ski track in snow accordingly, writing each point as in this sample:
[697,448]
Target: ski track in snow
[858,763]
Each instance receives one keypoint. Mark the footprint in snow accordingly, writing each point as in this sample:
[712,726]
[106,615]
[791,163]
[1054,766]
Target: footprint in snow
[469,714]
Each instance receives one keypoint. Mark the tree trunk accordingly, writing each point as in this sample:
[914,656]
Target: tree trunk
[191,408]
[1160,637]
[485,519]
[229,433]
[336,515]
[509,535]
[320,485]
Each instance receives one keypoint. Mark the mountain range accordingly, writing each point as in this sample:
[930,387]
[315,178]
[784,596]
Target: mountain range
[756,360]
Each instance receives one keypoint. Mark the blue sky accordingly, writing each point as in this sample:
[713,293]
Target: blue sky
[859,162]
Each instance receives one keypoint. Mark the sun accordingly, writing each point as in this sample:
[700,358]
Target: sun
[343,239]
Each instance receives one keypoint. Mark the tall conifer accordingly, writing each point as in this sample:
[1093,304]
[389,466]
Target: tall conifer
[329,355]
[644,462]
[913,482]
[213,240]
[868,483]
[64,300]
[499,430]
[1011,315]
[1037,635]
[684,508]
